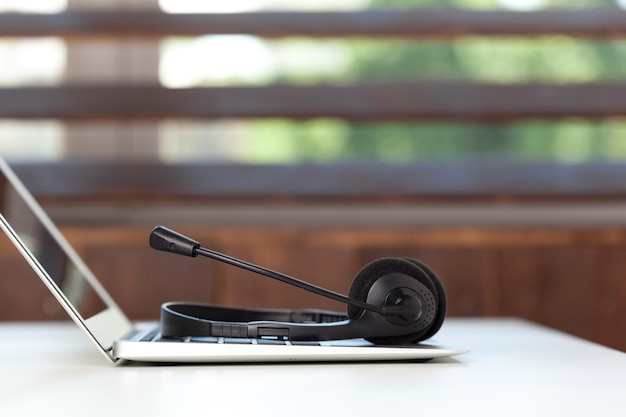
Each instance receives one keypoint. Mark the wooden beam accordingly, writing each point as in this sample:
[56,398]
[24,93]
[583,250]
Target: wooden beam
[604,22]
[499,180]
[359,102]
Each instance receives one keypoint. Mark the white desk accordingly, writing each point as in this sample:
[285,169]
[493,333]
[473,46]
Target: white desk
[514,369]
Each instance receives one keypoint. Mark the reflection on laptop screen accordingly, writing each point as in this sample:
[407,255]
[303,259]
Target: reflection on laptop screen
[50,255]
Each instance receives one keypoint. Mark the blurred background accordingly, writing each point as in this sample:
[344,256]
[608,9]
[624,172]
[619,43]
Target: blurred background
[486,138]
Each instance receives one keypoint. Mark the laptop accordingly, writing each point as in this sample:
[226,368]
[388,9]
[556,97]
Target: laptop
[87,302]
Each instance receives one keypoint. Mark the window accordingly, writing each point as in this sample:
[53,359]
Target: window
[22,65]
[245,60]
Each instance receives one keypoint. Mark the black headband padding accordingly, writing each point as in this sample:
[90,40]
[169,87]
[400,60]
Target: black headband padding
[371,272]
[180,319]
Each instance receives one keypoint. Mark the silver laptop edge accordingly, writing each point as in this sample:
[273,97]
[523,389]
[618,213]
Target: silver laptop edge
[103,328]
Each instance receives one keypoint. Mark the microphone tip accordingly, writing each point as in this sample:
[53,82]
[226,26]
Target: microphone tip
[167,240]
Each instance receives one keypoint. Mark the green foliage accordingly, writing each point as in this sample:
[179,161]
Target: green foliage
[283,141]
[481,59]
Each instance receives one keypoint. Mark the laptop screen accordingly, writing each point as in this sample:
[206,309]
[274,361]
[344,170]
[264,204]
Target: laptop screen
[57,264]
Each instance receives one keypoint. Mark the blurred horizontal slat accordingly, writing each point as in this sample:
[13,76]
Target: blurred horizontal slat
[366,101]
[408,23]
[465,180]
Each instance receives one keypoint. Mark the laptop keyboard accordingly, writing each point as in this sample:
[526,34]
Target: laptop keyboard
[155,336]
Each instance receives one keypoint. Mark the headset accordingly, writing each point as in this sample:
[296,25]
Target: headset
[391,301]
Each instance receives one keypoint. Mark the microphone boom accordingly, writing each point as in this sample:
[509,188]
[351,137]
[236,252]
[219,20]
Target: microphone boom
[167,240]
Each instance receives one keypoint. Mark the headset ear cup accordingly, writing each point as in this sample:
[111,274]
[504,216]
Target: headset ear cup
[370,273]
[442,301]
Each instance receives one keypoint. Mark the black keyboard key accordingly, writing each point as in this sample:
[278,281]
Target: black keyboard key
[171,339]
[150,336]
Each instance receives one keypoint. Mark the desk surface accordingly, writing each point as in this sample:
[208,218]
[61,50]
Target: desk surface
[515,368]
